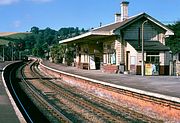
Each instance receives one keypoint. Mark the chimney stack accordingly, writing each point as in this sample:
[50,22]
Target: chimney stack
[117,17]
[124,10]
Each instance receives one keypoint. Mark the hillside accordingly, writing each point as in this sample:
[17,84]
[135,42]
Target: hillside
[5,37]
[7,33]
[18,35]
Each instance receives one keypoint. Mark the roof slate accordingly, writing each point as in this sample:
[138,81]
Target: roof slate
[113,26]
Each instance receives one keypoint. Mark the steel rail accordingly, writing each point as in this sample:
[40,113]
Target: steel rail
[132,113]
[36,95]
[144,97]
[166,102]
[78,101]
[16,96]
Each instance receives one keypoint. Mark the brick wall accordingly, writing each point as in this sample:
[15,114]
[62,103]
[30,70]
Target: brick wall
[110,68]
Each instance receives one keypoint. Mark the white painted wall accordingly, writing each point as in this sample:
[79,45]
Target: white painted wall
[167,58]
[164,58]
[133,53]
[118,52]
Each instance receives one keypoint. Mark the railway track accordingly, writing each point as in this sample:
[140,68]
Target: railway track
[109,105]
[43,102]
[117,108]
[16,97]
[89,105]
[167,111]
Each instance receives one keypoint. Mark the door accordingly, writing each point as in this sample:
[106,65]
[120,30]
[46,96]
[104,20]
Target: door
[97,61]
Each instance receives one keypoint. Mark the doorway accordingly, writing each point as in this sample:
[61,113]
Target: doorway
[97,62]
[127,60]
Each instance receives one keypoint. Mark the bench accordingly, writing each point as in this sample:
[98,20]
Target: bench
[84,66]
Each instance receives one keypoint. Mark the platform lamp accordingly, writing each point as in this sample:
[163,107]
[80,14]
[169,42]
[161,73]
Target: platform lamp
[142,65]
[3,54]
[3,48]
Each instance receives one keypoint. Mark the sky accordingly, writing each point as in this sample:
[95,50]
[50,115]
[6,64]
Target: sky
[21,15]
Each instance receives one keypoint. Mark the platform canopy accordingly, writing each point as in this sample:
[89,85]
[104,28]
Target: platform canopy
[89,36]
[148,45]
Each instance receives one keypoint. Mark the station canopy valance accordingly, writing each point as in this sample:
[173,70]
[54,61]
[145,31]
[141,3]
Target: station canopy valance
[148,45]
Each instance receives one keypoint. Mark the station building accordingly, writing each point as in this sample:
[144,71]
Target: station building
[117,47]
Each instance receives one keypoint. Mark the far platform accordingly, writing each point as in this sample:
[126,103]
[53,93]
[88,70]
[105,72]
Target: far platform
[7,113]
[165,85]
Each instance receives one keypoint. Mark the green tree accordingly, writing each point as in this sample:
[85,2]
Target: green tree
[35,30]
[57,53]
[174,41]
[39,41]
[70,54]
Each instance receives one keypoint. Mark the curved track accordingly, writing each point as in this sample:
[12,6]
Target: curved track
[28,109]
[16,97]
[79,105]
[60,102]
[93,113]
[36,95]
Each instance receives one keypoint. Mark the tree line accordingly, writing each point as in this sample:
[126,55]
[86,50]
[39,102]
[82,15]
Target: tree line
[174,41]
[40,42]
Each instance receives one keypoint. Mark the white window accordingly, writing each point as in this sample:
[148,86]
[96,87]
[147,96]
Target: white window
[109,58]
[152,57]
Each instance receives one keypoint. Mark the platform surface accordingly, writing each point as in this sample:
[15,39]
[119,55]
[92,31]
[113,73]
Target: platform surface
[165,85]
[7,113]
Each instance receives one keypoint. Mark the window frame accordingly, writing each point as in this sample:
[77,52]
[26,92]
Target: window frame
[153,57]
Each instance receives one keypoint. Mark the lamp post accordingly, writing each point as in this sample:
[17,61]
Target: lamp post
[19,55]
[142,65]
[12,54]
[3,54]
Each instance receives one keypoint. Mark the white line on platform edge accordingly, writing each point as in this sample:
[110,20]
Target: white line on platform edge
[16,109]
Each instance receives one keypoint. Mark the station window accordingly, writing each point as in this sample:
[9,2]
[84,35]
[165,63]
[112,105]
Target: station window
[152,57]
[110,58]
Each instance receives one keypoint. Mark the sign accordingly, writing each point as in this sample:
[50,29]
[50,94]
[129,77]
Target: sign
[92,62]
[113,59]
[133,60]
[148,69]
